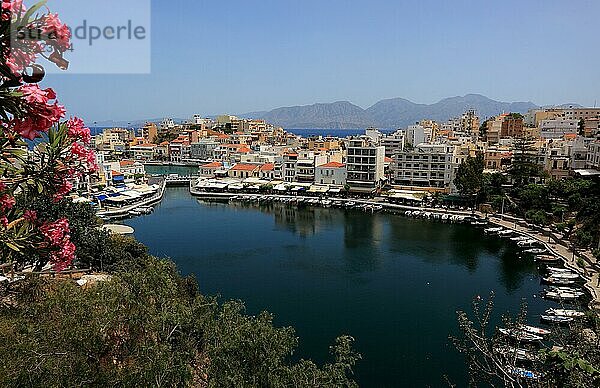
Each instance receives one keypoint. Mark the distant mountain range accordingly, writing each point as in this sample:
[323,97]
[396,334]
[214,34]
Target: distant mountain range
[392,113]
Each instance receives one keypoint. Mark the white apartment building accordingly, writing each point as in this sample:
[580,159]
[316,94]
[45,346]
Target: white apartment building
[332,173]
[557,128]
[393,143]
[365,165]
[427,165]
[417,134]
[593,155]
[167,123]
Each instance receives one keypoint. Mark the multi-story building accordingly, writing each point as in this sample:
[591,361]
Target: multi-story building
[203,149]
[558,128]
[365,165]
[417,134]
[393,143]
[427,165]
[593,155]
[332,173]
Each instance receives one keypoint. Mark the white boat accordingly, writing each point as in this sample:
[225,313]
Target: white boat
[546,258]
[535,251]
[559,270]
[565,313]
[492,230]
[519,238]
[558,281]
[505,233]
[565,275]
[521,335]
[514,353]
[558,295]
[557,319]
[566,289]
[535,330]
[134,213]
[527,243]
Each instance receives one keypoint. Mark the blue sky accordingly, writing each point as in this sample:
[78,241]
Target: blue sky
[233,56]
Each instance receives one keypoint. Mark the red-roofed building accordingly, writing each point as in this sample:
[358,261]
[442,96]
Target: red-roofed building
[332,173]
[267,171]
[210,168]
[242,170]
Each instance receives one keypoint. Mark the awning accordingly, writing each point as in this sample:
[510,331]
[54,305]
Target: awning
[280,187]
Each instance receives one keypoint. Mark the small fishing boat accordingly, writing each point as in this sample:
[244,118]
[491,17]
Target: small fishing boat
[505,233]
[558,281]
[566,289]
[565,275]
[565,313]
[560,295]
[479,223]
[546,258]
[524,373]
[535,251]
[134,213]
[559,270]
[491,230]
[519,238]
[527,243]
[509,352]
[534,330]
[521,335]
[558,319]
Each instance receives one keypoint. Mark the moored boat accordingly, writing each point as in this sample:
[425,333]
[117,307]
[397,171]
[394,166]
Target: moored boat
[521,335]
[565,313]
[558,319]
[534,330]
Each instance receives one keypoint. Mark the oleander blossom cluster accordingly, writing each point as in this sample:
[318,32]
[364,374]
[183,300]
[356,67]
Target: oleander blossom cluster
[58,237]
[45,169]
[27,42]
[42,112]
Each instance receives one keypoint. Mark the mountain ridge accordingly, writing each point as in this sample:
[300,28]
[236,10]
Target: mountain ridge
[390,113]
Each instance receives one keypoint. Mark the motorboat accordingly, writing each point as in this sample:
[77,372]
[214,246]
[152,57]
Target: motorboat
[565,313]
[558,319]
[521,335]
[524,373]
[546,258]
[561,295]
[565,275]
[492,230]
[535,251]
[559,270]
[519,238]
[526,243]
[558,281]
[534,330]
[505,233]
[510,352]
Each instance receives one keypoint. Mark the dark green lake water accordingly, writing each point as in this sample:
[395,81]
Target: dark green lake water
[392,282]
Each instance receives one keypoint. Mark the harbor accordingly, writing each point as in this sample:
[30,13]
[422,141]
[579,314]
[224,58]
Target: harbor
[294,259]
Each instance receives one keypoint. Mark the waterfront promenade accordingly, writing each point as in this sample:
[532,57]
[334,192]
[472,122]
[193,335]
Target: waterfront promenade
[590,272]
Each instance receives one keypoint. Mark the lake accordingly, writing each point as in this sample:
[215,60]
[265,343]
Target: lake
[392,282]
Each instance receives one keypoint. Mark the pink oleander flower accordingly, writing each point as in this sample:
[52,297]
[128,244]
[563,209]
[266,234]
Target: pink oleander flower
[33,94]
[61,34]
[78,130]
[64,188]
[30,215]
[4,221]
[41,114]
[57,235]
[7,202]
[2,186]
